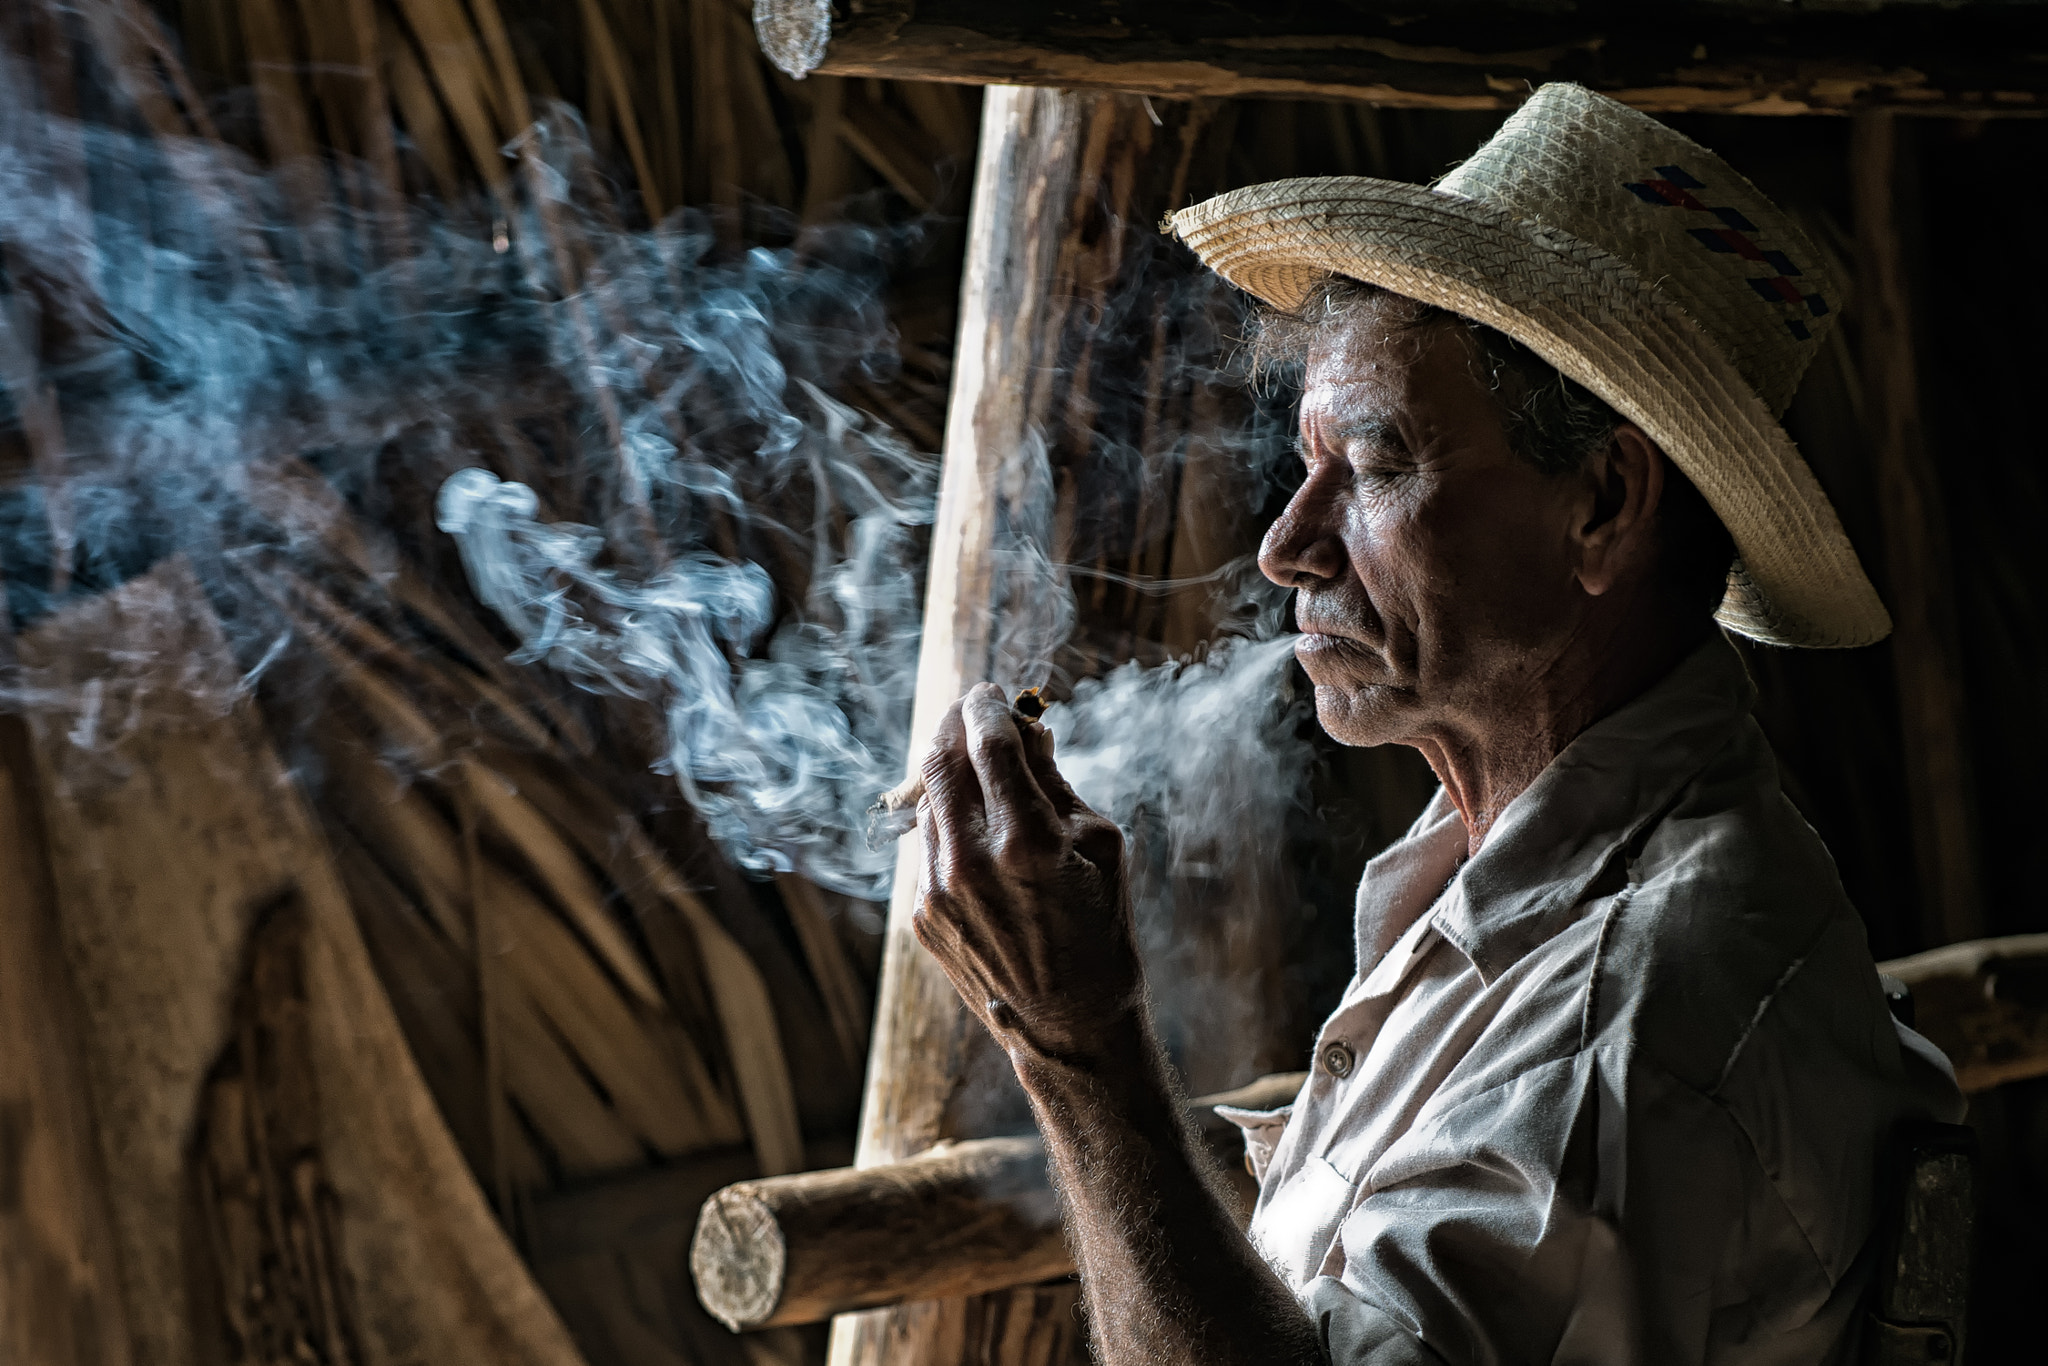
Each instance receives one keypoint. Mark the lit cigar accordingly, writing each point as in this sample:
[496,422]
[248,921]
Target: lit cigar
[894,813]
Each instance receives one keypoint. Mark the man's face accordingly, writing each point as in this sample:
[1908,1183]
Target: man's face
[1436,567]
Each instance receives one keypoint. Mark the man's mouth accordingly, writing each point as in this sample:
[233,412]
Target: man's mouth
[1339,628]
[1345,662]
[1326,643]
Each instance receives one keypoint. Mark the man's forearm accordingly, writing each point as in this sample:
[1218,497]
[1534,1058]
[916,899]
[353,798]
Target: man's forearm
[1026,904]
[1169,1280]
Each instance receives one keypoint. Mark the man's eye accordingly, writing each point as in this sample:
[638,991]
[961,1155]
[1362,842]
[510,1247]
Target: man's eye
[1379,469]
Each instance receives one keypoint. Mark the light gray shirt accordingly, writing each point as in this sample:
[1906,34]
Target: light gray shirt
[1615,1089]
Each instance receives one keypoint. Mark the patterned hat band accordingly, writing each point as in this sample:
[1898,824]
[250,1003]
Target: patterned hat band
[1638,263]
[1673,187]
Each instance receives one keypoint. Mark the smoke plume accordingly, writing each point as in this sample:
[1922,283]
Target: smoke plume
[743,551]
[1205,768]
[626,441]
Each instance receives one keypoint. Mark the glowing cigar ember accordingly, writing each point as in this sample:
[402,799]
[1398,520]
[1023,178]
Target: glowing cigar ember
[894,813]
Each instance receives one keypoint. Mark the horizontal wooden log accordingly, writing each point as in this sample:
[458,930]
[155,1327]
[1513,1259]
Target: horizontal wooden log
[962,1219]
[1731,55]
[1985,1004]
[959,1220]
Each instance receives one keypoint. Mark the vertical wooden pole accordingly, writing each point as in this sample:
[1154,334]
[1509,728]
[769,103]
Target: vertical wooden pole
[926,1048]
[1926,652]
[1067,188]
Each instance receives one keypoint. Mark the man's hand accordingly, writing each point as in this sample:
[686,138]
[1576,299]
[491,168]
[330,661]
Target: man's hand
[1024,901]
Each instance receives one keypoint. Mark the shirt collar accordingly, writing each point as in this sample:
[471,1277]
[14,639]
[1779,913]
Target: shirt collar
[1529,877]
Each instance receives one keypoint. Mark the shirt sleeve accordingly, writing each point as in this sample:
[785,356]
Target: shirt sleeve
[1532,1224]
[1354,1333]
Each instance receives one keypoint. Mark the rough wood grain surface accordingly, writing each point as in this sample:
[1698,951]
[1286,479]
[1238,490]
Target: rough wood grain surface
[173,827]
[959,1220]
[272,1220]
[60,1291]
[1467,54]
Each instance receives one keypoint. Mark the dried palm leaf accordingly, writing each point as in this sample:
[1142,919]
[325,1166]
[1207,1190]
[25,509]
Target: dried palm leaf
[564,875]
[846,1001]
[610,69]
[455,60]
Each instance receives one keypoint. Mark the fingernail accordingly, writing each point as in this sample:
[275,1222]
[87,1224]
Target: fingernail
[999,1013]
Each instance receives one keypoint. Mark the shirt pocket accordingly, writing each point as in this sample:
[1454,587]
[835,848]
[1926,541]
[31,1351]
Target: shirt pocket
[1296,1226]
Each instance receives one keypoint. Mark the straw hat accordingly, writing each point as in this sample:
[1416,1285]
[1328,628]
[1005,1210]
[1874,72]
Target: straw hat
[1636,262]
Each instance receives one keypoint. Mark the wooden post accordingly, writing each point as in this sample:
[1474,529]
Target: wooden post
[1926,654]
[1067,187]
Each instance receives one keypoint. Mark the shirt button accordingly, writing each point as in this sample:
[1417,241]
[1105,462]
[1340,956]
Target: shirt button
[1338,1059]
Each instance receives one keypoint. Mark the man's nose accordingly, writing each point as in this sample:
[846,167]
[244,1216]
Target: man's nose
[1305,545]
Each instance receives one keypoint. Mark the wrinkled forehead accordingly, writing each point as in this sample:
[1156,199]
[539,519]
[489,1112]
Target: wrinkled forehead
[1385,351]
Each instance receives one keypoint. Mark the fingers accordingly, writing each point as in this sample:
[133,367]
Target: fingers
[945,924]
[1101,843]
[1038,753]
[950,811]
[1095,838]
[1024,827]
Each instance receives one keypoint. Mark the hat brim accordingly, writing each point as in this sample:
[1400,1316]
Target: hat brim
[1797,581]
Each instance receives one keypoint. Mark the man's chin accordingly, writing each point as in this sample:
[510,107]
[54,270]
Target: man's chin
[1363,713]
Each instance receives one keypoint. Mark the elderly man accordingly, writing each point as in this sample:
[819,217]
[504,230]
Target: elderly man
[1613,1077]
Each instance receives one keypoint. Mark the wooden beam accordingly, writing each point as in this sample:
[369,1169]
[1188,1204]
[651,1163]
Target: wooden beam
[1469,54]
[1985,1004]
[1926,653]
[961,1219]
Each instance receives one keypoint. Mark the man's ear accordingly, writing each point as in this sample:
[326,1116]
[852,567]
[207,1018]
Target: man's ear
[1617,537]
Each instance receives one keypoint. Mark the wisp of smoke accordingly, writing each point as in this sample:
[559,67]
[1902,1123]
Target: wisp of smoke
[778,741]
[1204,766]
[636,456]
[633,435]
[1190,747]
